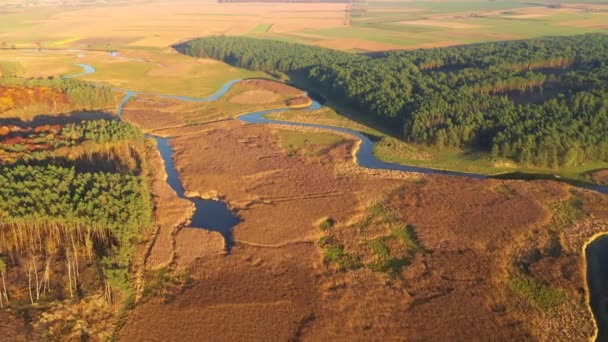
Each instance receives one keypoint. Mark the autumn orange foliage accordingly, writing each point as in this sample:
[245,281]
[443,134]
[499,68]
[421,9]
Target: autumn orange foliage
[16,97]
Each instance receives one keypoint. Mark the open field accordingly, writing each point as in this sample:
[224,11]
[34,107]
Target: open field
[375,27]
[251,185]
[153,70]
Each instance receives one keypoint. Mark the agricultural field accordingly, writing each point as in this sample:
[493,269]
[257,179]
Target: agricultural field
[375,26]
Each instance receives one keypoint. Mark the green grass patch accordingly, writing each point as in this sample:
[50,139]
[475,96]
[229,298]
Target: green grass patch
[261,28]
[327,224]
[370,34]
[408,235]
[388,261]
[11,68]
[384,262]
[536,293]
[307,143]
[64,42]
[566,213]
[323,116]
[451,6]
[163,283]
[376,214]
[333,253]
[396,151]
[188,78]
[333,250]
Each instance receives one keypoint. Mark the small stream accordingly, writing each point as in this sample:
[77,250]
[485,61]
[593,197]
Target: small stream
[365,155]
[87,69]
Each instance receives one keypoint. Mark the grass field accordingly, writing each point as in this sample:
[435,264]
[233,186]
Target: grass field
[151,70]
[393,150]
[165,71]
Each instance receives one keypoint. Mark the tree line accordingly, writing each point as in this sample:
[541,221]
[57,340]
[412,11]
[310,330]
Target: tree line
[82,94]
[539,102]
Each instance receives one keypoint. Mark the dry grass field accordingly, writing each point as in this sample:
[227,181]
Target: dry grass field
[459,268]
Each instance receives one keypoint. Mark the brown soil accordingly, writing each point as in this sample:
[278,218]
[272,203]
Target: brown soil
[194,243]
[254,294]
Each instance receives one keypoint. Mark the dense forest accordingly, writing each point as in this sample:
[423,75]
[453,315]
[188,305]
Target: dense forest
[38,203]
[69,227]
[539,102]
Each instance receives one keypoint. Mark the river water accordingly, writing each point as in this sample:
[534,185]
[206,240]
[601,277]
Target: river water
[208,214]
[597,281]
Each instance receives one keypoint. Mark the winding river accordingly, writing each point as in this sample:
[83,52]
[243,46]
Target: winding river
[87,69]
[215,215]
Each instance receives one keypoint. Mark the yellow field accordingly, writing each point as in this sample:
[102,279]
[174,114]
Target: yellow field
[377,26]
[158,24]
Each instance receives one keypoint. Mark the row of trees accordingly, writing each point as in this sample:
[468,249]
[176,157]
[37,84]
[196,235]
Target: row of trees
[82,95]
[110,141]
[461,97]
[101,131]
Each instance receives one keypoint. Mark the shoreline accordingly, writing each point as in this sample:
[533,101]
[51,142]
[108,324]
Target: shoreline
[587,243]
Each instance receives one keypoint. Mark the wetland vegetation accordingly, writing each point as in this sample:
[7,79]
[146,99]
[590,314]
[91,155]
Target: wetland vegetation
[101,227]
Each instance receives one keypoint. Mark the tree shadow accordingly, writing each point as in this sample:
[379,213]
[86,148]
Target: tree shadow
[347,109]
[57,119]
[542,176]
